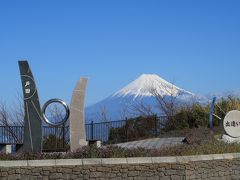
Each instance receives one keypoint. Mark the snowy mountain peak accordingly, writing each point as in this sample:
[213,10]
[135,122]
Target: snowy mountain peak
[120,104]
[146,83]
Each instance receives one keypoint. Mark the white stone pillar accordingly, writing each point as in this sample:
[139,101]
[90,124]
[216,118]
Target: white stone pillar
[77,122]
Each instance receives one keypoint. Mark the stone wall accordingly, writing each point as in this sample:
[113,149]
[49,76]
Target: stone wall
[225,166]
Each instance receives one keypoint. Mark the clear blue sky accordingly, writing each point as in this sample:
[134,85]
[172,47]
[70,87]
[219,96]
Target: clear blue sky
[194,43]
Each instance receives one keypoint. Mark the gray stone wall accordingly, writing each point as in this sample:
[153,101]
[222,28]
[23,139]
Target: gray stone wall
[175,168]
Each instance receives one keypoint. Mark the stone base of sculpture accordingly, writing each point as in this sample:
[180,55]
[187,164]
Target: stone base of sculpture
[229,139]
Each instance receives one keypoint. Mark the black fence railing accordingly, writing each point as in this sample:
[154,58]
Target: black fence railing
[125,130]
[57,138]
[101,131]
[11,134]
[54,138]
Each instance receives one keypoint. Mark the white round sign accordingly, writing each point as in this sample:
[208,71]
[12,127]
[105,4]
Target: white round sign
[231,123]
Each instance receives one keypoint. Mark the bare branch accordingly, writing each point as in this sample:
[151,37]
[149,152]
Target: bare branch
[140,108]
[103,114]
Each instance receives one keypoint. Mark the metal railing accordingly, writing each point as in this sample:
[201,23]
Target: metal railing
[11,134]
[125,130]
[57,138]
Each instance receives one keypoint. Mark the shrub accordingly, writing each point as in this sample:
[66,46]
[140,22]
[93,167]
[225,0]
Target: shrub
[189,117]
[226,104]
[52,142]
[134,129]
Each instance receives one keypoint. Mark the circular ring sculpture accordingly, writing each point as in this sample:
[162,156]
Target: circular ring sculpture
[65,107]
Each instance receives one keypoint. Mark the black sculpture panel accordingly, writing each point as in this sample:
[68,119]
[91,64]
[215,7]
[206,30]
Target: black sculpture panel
[33,115]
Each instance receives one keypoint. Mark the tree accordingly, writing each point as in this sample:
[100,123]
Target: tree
[8,121]
[135,129]
[141,108]
[103,114]
[167,103]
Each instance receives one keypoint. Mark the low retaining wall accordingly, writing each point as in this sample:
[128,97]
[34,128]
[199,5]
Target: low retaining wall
[223,166]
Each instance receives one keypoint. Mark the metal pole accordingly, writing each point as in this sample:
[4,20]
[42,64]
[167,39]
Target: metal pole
[63,136]
[126,126]
[92,130]
[155,119]
[211,113]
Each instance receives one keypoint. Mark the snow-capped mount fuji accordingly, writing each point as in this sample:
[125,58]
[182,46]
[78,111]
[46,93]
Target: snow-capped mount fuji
[144,85]
[140,90]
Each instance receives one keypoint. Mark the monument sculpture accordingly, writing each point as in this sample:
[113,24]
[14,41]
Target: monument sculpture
[77,124]
[33,113]
[66,114]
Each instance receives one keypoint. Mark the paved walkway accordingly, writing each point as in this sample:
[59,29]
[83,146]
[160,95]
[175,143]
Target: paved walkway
[152,143]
